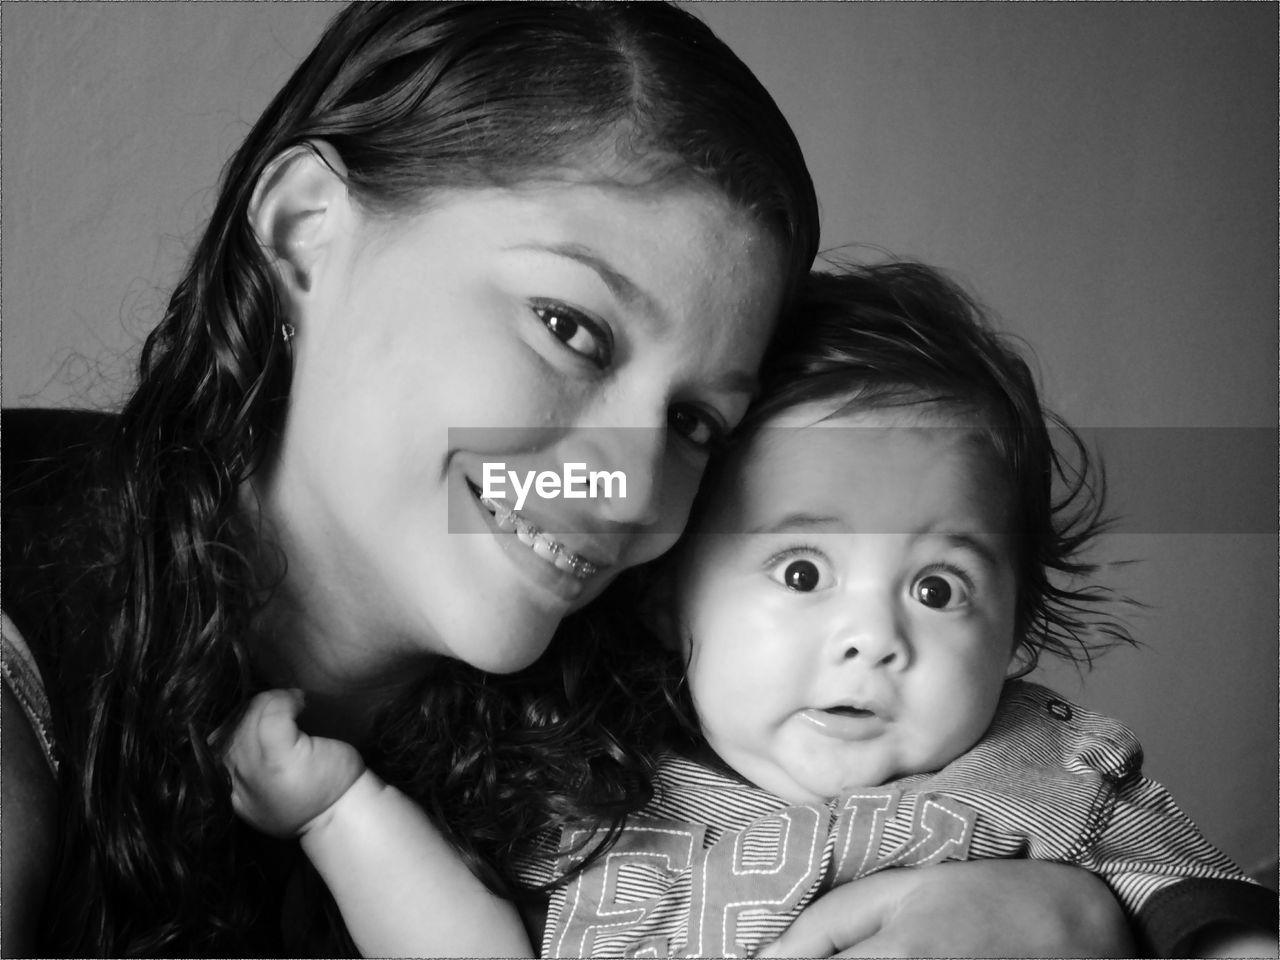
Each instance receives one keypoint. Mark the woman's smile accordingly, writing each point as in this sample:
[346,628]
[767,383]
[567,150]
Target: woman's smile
[541,543]
[535,328]
[551,550]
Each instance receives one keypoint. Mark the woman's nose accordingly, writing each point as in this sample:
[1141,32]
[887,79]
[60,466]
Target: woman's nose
[624,467]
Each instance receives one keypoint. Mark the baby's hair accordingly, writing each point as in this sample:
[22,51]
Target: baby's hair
[901,334]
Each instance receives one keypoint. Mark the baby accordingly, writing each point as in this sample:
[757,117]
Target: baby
[874,564]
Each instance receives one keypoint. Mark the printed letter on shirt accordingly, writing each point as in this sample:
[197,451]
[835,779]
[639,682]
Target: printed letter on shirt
[593,906]
[765,868]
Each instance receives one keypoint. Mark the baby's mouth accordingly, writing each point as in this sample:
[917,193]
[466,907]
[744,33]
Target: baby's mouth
[846,711]
[528,533]
[845,721]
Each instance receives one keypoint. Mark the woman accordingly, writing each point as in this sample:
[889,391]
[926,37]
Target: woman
[528,234]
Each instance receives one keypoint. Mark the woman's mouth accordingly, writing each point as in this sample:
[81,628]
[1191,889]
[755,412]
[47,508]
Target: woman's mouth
[552,551]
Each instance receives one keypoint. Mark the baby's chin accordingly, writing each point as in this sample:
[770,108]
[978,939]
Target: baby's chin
[817,776]
[799,785]
[803,786]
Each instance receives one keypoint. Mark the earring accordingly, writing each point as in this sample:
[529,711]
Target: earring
[287,332]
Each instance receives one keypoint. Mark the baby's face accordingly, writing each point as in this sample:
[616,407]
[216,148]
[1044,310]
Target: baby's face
[847,605]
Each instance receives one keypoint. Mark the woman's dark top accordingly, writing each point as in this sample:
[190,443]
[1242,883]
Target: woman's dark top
[46,475]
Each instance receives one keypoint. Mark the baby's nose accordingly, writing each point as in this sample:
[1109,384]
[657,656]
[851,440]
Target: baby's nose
[875,640]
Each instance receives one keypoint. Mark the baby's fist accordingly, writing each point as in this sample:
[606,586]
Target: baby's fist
[281,778]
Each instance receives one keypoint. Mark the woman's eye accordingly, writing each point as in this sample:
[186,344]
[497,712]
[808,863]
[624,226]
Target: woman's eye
[940,591]
[699,428]
[576,331]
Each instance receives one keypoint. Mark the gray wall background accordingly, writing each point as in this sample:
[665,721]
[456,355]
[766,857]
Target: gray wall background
[1103,176]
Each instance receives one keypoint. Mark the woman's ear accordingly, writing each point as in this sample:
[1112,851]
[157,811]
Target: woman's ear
[298,203]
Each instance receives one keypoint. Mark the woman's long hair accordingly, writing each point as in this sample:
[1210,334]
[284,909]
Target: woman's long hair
[414,98]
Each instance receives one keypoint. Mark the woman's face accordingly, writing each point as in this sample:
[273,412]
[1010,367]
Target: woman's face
[616,328]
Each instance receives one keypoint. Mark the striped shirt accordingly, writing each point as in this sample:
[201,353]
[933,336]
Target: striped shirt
[717,867]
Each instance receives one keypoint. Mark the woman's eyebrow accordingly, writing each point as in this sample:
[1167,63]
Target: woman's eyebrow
[632,295]
[737,381]
[622,286]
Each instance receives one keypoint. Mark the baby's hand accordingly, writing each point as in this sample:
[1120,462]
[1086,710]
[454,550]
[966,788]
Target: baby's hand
[281,778]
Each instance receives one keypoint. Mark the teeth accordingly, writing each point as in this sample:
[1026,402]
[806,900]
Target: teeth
[548,549]
[500,513]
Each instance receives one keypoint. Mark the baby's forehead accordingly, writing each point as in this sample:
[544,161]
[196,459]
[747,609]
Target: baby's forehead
[846,412]
[812,442]
[823,427]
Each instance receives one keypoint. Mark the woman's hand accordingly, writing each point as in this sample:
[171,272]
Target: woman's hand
[281,778]
[981,908]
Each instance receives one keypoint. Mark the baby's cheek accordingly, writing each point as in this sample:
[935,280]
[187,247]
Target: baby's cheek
[972,723]
[715,700]
[707,698]
[955,724]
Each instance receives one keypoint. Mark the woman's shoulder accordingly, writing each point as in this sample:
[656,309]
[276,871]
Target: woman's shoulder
[28,793]
[24,686]
[46,454]
[47,464]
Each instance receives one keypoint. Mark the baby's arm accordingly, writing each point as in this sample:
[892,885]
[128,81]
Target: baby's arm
[1186,896]
[402,889]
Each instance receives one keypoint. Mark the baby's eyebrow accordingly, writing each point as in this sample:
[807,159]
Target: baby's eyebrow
[821,523]
[803,521]
[974,545]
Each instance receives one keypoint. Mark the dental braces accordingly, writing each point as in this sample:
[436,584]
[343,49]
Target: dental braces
[529,534]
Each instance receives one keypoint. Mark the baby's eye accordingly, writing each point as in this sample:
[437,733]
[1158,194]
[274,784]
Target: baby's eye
[800,574]
[697,426]
[576,331]
[940,590]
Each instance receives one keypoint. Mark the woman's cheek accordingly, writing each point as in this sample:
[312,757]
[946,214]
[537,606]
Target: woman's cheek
[680,487]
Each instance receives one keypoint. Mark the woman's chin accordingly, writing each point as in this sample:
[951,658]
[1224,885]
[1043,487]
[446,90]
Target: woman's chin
[511,653]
